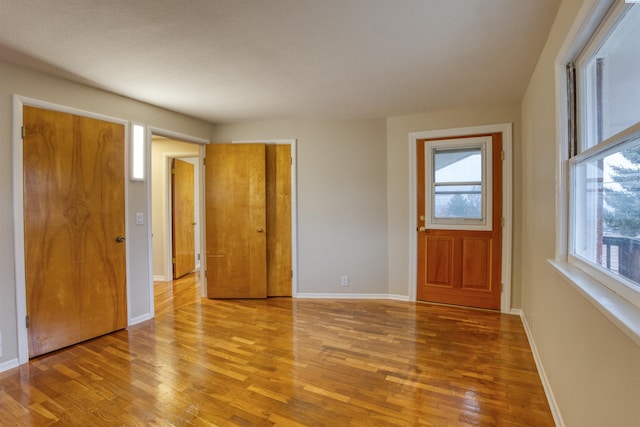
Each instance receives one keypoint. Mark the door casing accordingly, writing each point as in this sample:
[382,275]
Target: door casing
[18,205]
[167,158]
[199,178]
[507,194]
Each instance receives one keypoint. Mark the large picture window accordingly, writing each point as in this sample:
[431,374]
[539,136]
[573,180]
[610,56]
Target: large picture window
[605,170]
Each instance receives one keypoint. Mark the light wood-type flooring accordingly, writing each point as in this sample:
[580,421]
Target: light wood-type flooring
[287,362]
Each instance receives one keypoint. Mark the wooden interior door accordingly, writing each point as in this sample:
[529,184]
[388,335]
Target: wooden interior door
[74,221]
[183,214]
[458,266]
[278,181]
[236,221]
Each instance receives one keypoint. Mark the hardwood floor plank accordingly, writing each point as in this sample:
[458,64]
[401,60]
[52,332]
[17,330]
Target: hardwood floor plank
[286,362]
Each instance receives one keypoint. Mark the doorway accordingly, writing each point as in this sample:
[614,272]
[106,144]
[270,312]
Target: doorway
[171,242]
[70,231]
[444,273]
[459,214]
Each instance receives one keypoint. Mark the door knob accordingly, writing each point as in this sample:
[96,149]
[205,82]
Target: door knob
[422,229]
[120,239]
[260,230]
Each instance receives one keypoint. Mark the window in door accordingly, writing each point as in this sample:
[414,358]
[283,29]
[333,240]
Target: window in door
[459,187]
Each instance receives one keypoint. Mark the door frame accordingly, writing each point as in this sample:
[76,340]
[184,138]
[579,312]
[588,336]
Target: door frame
[506,129]
[176,136]
[294,203]
[167,158]
[18,207]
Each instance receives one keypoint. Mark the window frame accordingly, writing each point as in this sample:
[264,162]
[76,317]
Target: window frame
[485,222]
[614,299]
[618,284]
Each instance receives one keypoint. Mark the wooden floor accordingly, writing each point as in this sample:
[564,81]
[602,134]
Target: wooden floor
[287,362]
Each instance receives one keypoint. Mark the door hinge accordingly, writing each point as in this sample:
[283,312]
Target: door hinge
[292,274]
[501,287]
[22,132]
[502,222]
[291,161]
[173,171]
[173,260]
[204,161]
[26,321]
[502,155]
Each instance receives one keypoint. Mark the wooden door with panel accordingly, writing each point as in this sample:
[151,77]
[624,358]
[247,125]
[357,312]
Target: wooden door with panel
[460,229]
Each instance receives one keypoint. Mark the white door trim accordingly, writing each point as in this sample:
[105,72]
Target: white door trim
[18,208]
[507,194]
[167,159]
[201,178]
[294,204]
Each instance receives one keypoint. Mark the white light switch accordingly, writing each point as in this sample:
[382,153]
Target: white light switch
[139,218]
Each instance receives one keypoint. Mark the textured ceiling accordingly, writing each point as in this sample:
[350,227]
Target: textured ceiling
[231,60]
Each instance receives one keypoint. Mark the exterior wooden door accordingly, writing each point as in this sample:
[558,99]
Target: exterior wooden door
[278,181]
[236,240]
[460,220]
[74,221]
[183,214]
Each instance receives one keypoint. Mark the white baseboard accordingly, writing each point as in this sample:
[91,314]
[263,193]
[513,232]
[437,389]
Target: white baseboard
[140,319]
[161,279]
[553,405]
[10,364]
[352,296]
[398,297]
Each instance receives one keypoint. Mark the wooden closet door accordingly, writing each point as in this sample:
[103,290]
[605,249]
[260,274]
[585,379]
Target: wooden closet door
[236,221]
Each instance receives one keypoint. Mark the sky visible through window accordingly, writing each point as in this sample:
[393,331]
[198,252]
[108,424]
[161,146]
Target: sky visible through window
[458,166]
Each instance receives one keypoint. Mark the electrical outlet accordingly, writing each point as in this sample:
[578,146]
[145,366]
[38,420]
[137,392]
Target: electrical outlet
[344,281]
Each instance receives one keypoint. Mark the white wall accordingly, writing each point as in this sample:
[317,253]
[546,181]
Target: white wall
[593,368]
[24,82]
[161,149]
[398,181]
[342,200]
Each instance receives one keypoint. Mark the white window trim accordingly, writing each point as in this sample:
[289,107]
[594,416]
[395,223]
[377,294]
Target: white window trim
[484,223]
[623,313]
